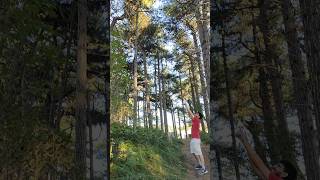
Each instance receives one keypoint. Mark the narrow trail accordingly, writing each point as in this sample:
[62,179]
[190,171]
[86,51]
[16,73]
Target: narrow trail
[191,162]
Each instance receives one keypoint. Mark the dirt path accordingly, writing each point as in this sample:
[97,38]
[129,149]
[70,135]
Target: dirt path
[191,162]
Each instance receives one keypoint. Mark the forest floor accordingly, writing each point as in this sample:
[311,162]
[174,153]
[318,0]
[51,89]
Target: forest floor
[191,161]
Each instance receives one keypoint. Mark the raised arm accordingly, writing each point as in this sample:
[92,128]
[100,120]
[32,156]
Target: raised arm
[258,165]
[188,110]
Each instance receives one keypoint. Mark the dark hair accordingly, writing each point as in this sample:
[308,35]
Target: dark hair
[200,114]
[290,169]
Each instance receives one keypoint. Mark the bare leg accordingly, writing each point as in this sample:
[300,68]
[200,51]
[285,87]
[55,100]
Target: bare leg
[197,158]
[201,160]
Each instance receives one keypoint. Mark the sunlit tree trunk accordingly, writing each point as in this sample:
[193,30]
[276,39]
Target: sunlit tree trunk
[179,124]
[202,20]
[184,115]
[160,92]
[135,71]
[156,95]
[197,106]
[164,101]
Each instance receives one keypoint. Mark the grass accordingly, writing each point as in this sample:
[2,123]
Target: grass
[145,154]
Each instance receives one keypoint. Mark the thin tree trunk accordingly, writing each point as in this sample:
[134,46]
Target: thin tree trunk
[179,124]
[197,106]
[160,91]
[184,115]
[193,96]
[156,95]
[164,102]
[144,117]
[89,113]
[230,108]
[147,90]
[301,93]
[174,122]
[138,112]
[81,100]
[135,71]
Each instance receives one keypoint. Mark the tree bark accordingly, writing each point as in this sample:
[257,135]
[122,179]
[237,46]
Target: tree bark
[270,59]
[135,71]
[202,25]
[202,76]
[156,95]
[164,102]
[179,124]
[301,93]
[160,91]
[90,135]
[197,106]
[311,14]
[184,115]
[81,100]
[229,99]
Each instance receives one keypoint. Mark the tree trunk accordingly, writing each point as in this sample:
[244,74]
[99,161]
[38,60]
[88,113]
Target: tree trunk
[267,110]
[202,25]
[301,93]
[270,59]
[174,122]
[135,72]
[160,91]
[81,100]
[146,83]
[179,124]
[184,114]
[193,96]
[197,107]
[230,108]
[214,148]
[90,135]
[156,95]
[164,102]
[202,76]
[311,14]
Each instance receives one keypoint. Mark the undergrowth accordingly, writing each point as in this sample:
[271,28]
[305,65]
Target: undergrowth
[143,153]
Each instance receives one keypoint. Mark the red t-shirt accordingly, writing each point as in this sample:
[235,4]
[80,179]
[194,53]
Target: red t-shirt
[195,130]
[273,176]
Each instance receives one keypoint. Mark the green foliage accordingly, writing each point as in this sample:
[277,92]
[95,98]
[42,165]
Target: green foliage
[142,153]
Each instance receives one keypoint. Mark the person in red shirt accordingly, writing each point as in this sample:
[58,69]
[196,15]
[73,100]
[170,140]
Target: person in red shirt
[283,170]
[195,147]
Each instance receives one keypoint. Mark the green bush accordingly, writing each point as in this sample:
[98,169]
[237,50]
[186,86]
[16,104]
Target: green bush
[142,153]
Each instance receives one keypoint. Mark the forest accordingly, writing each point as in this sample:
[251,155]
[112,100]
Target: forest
[250,63]
[53,89]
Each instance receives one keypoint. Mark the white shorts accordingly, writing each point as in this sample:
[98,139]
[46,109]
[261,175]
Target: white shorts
[195,146]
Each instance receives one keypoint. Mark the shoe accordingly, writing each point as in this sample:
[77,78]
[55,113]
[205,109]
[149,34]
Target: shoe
[203,171]
[198,167]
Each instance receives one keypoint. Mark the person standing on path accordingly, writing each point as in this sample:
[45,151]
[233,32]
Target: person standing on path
[195,142]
